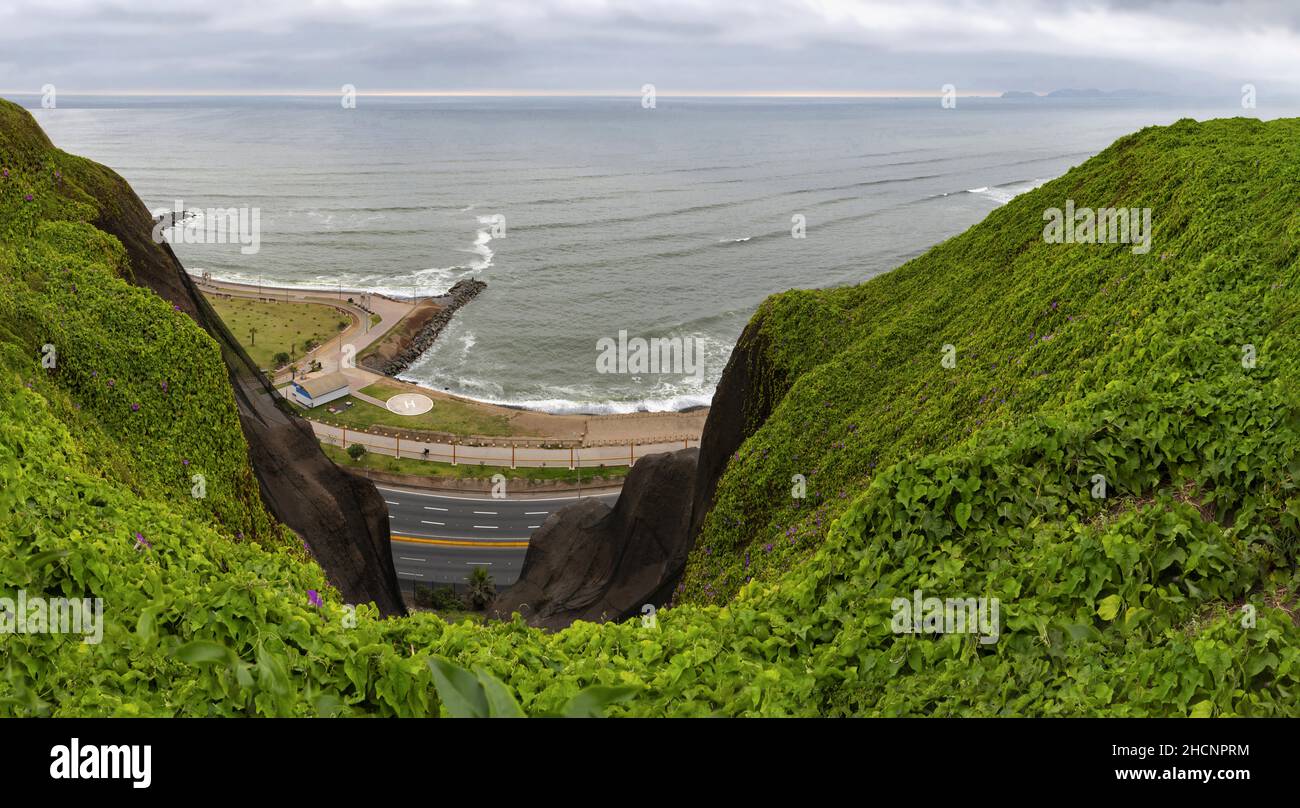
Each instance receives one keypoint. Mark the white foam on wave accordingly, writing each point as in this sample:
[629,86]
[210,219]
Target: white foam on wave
[565,406]
[1002,194]
[426,281]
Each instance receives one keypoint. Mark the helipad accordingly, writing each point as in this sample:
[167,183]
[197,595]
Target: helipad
[410,404]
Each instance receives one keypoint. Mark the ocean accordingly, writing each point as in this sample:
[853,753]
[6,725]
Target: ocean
[588,217]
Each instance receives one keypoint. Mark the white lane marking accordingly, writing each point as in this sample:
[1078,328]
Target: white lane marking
[533,527]
[412,574]
[485,527]
[432,508]
[497,499]
[479,563]
[390,502]
[485,513]
[390,516]
[408,558]
[439,524]
[535,513]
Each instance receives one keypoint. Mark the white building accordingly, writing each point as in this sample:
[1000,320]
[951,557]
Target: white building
[318,391]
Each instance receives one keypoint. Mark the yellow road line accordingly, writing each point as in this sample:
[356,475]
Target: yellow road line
[459,542]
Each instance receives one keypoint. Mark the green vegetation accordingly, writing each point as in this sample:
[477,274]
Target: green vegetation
[479,694]
[473,471]
[481,589]
[382,390]
[1172,595]
[267,330]
[356,451]
[448,417]
[441,599]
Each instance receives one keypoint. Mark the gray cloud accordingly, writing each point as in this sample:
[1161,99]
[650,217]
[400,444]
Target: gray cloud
[1173,46]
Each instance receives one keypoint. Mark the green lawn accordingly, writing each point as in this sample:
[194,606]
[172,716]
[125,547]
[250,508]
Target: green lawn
[382,391]
[265,329]
[452,417]
[466,471]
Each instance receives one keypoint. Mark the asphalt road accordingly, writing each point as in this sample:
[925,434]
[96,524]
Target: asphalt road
[438,539]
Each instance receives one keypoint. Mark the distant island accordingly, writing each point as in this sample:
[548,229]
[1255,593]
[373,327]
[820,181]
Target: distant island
[1088,93]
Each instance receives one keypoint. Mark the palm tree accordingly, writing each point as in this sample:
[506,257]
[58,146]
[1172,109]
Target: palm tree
[481,589]
[252,336]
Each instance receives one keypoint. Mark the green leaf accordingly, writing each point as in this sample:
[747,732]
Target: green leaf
[591,701]
[328,705]
[963,514]
[1109,607]
[145,627]
[458,689]
[41,559]
[500,701]
[1203,709]
[202,652]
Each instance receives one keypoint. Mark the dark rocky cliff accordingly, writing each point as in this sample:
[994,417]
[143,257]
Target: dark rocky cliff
[341,516]
[591,562]
[596,563]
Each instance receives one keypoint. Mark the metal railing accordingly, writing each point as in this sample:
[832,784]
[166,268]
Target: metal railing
[505,456]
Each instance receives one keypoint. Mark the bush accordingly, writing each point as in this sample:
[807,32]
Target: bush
[356,450]
[440,598]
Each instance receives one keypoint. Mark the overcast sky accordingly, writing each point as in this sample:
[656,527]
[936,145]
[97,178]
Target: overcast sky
[1195,47]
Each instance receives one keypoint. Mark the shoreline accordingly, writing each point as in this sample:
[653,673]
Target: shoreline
[591,429]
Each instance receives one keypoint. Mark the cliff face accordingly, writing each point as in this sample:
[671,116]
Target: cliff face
[596,563]
[341,516]
[591,562]
[747,393]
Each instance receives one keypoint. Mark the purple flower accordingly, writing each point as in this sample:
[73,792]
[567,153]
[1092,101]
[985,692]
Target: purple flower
[6,173]
[111,382]
[135,408]
[164,386]
[314,597]
[141,542]
[28,198]
[185,461]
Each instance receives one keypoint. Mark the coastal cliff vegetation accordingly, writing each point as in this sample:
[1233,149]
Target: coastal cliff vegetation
[1171,593]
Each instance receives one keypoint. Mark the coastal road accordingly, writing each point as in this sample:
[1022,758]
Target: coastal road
[439,538]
